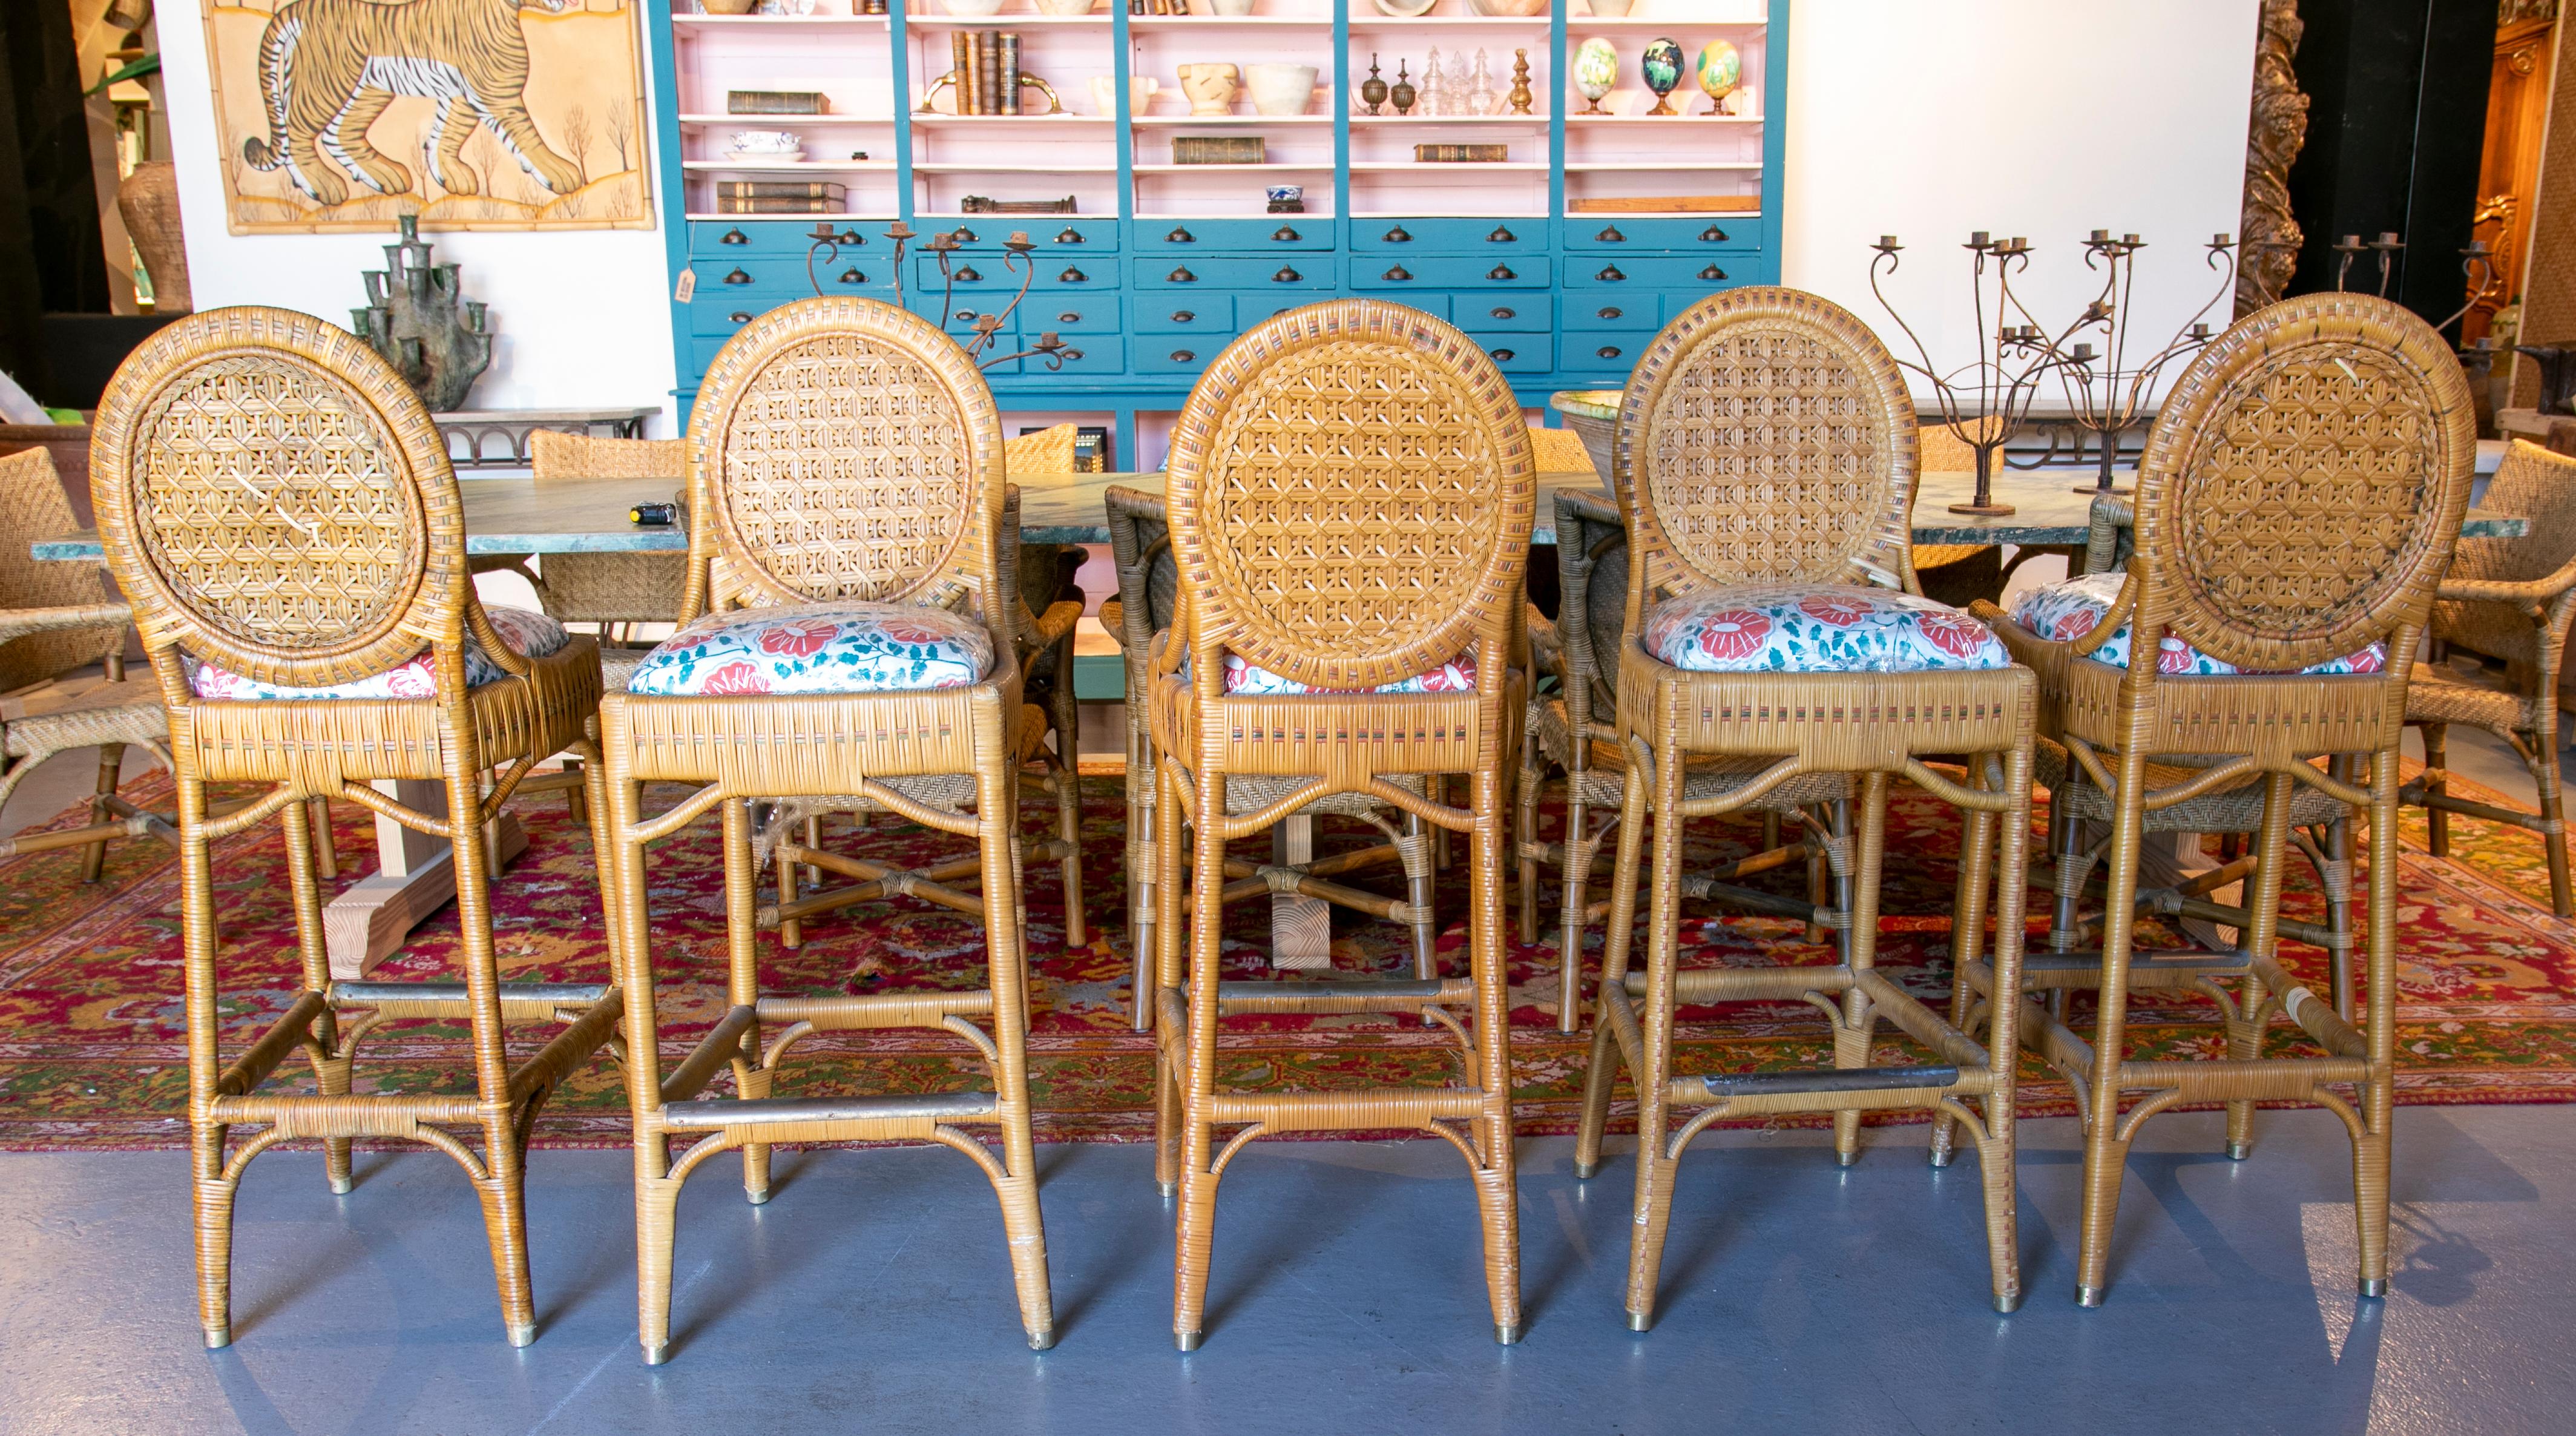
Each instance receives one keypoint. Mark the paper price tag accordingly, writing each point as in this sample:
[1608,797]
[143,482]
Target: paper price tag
[687,288]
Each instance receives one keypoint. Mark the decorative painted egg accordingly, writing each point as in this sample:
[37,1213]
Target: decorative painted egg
[1596,71]
[1661,64]
[1720,70]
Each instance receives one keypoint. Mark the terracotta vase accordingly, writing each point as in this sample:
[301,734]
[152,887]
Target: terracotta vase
[149,202]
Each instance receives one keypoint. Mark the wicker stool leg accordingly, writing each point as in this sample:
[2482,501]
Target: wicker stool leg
[1996,1153]
[2553,831]
[1967,940]
[2437,823]
[1656,1167]
[2336,877]
[1006,949]
[111,759]
[1171,1028]
[1067,716]
[1489,958]
[628,913]
[1525,842]
[1856,897]
[2071,864]
[1574,906]
[2106,1149]
[742,981]
[2371,1149]
[791,931]
[326,856]
[331,1066]
[1608,1054]
[2263,900]
[212,1188]
[1416,857]
[1195,1225]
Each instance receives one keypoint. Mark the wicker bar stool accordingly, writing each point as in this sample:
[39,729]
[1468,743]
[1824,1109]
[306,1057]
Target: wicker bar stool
[2512,599]
[1351,498]
[614,590]
[848,640]
[1772,616]
[280,512]
[54,620]
[1147,605]
[2297,502]
[1574,731]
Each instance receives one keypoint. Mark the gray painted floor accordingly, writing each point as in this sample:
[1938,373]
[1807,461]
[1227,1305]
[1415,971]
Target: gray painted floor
[873,1295]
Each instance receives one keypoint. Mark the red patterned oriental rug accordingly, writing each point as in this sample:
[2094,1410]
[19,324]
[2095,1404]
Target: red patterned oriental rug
[92,1045]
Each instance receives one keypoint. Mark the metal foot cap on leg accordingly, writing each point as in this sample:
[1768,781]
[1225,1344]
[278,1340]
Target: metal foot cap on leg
[1941,1160]
[1042,1340]
[2374,1286]
[2239,1151]
[759,1198]
[1168,1190]
[1586,1171]
[1846,1159]
[218,1337]
[2007,1302]
[1507,1333]
[656,1355]
[2088,1296]
[343,1186]
[1641,1320]
[1186,1340]
[522,1332]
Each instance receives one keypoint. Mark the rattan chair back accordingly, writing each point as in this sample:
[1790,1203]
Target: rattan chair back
[273,498]
[2302,487]
[31,493]
[1350,492]
[2538,486]
[844,449]
[1778,444]
[553,454]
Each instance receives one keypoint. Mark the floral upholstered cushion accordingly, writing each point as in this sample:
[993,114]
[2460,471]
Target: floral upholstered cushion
[847,647]
[1817,628]
[2064,612]
[533,634]
[1458,675]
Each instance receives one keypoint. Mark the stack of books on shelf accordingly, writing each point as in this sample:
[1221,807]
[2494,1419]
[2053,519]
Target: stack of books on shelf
[987,71]
[780,197]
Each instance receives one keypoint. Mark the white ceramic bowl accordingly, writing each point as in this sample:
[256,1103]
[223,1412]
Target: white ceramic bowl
[973,8]
[1279,88]
[1405,8]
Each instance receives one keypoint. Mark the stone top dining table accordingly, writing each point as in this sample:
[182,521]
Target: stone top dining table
[518,516]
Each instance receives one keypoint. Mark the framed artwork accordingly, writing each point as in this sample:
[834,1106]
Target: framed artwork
[470,114]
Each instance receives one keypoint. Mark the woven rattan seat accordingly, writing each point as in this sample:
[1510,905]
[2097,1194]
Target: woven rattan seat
[54,619]
[1768,440]
[2298,499]
[843,450]
[2513,600]
[274,501]
[1351,498]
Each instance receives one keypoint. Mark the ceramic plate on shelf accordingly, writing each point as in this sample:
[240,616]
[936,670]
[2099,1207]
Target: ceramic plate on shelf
[1404,9]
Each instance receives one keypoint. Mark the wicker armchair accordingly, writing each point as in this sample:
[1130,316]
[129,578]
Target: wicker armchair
[614,590]
[1144,611]
[1773,624]
[848,641]
[54,619]
[279,511]
[2512,599]
[2297,502]
[1351,497]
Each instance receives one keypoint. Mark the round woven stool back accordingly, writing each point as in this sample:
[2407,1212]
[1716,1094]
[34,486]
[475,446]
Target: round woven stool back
[1769,438]
[842,448]
[2302,488]
[272,497]
[1350,491]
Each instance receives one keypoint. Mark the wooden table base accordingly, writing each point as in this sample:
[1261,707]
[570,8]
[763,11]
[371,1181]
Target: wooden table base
[415,876]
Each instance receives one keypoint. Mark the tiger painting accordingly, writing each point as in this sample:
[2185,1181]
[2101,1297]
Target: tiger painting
[329,68]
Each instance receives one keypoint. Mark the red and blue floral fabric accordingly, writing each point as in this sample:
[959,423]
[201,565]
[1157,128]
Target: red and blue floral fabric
[533,634]
[1817,628]
[2067,611]
[846,647]
[1242,680]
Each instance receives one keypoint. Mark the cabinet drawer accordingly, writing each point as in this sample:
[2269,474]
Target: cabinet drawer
[1732,233]
[986,275]
[1516,353]
[1069,313]
[1178,353]
[1592,310]
[1513,313]
[1611,353]
[720,315]
[782,279]
[1196,271]
[787,234]
[1655,271]
[1053,233]
[1398,273]
[1233,236]
[1185,314]
[1449,236]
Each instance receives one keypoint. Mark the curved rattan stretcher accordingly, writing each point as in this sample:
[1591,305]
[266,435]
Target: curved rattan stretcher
[1147,604]
[273,499]
[2297,502]
[1351,493]
[1770,439]
[844,449]
[2515,600]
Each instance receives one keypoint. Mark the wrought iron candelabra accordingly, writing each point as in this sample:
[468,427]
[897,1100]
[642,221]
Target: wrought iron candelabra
[2108,394]
[1984,401]
[1018,254]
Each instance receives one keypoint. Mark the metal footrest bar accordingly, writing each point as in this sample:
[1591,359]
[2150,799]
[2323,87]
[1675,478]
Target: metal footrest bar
[1822,1081]
[1348,995]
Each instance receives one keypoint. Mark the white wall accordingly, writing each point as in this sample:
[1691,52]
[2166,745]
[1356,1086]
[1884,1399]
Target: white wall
[582,317]
[2047,119]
